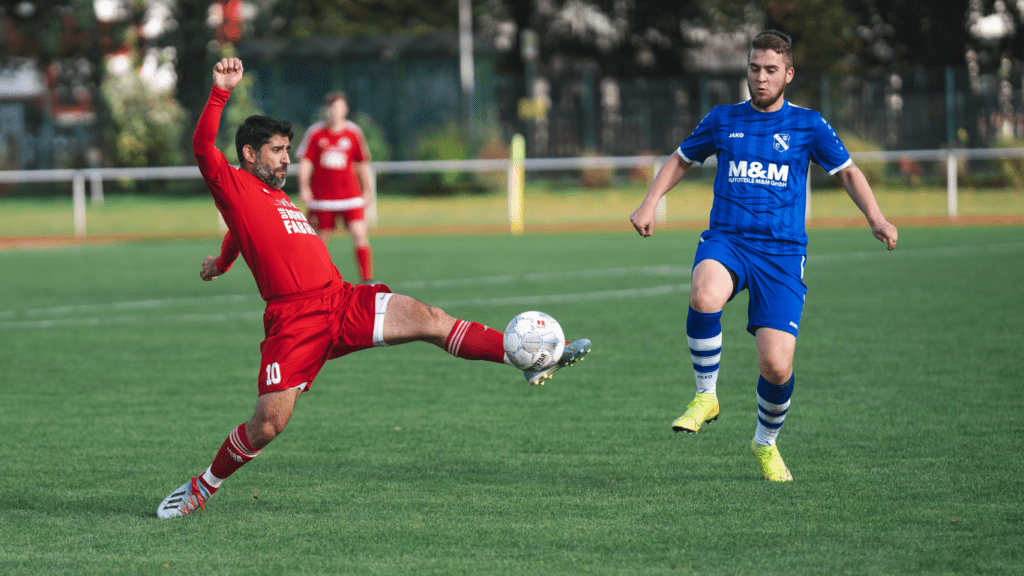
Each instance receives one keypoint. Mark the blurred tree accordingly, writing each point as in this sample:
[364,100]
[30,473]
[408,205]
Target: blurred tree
[907,33]
[193,40]
[306,18]
[147,123]
[659,39]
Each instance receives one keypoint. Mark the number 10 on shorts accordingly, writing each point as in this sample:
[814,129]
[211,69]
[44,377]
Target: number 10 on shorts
[273,374]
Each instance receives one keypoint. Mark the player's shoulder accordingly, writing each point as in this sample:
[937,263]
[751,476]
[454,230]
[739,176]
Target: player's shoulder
[316,128]
[805,115]
[353,127]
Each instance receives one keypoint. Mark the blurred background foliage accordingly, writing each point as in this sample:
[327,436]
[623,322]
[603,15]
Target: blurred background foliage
[614,72]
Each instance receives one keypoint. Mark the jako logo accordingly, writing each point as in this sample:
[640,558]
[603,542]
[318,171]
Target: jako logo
[756,171]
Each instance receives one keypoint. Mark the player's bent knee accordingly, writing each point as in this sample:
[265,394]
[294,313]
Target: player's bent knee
[261,432]
[777,373]
[707,301]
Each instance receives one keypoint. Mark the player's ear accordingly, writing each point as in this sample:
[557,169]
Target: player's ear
[249,154]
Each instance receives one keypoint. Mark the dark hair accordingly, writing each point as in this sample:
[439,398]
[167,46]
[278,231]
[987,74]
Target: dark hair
[257,131]
[775,41]
[330,97]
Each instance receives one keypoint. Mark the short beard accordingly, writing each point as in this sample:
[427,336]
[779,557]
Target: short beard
[267,174]
[768,100]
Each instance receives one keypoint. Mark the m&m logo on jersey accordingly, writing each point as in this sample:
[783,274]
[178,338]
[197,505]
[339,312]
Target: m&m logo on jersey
[757,173]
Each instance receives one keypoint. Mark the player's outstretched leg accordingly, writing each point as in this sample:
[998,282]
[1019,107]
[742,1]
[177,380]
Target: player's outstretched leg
[234,453]
[185,500]
[572,354]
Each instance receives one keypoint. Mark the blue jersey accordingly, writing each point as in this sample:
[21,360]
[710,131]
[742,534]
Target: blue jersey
[761,183]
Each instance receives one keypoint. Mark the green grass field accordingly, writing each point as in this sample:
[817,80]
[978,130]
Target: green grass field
[122,373]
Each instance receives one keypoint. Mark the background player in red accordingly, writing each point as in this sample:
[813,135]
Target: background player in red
[334,179]
[312,315]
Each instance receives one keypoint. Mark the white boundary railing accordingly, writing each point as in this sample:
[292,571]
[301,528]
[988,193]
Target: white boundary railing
[96,176]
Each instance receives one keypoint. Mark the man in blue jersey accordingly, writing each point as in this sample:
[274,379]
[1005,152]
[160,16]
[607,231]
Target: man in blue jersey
[756,239]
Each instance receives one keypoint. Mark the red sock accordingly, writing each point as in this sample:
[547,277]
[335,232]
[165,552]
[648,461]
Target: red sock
[233,454]
[364,258]
[474,341]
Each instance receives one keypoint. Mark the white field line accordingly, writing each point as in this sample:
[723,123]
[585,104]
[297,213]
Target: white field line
[58,316]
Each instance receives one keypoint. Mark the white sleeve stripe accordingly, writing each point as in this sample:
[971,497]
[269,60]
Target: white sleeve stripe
[683,156]
[847,164]
[301,151]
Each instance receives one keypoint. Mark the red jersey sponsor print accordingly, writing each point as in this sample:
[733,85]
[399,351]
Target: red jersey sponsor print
[333,155]
[264,226]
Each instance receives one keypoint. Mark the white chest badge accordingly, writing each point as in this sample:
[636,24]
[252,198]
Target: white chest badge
[781,142]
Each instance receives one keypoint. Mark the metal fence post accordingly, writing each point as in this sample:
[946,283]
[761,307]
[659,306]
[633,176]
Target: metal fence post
[951,190]
[78,202]
[371,209]
[96,187]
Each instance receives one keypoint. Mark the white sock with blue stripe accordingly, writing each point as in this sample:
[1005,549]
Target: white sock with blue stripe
[772,405]
[704,334]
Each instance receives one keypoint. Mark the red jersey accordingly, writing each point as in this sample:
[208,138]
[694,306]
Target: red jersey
[282,250]
[333,155]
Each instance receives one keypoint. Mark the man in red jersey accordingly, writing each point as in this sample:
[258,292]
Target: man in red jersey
[312,315]
[334,179]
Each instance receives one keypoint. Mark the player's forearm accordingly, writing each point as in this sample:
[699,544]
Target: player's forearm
[859,190]
[305,175]
[228,252]
[670,174]
[364,177]
[205,136]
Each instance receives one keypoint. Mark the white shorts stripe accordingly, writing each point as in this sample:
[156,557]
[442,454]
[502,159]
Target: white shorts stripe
[336,205]
[705,344]
[380,309]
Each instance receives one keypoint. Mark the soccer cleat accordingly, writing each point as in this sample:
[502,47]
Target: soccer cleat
[703,409]
[184,500]
[572,354]
[772,466]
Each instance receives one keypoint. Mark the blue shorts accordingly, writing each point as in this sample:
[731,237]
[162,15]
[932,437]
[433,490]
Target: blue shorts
[775,281]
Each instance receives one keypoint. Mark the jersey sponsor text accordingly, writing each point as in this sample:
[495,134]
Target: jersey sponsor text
[755,173]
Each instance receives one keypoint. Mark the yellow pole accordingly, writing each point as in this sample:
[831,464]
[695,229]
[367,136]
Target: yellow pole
[516,182]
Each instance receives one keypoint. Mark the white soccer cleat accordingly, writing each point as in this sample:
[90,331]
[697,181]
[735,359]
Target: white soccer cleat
[572,354]
[184,500]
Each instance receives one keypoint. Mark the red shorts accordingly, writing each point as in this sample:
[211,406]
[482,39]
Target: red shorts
[326,219]
[306,330]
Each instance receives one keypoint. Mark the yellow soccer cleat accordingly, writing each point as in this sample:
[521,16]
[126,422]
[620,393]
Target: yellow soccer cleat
[702,410]
[772,466]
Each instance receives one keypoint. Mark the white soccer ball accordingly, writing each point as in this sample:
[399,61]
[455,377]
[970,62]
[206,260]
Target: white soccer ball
[534,341]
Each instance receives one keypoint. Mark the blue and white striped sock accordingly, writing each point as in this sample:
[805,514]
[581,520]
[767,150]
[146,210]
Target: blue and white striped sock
[704,334]
[772,405]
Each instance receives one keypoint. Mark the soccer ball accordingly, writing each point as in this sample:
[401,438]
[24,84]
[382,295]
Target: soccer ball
[534,341]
